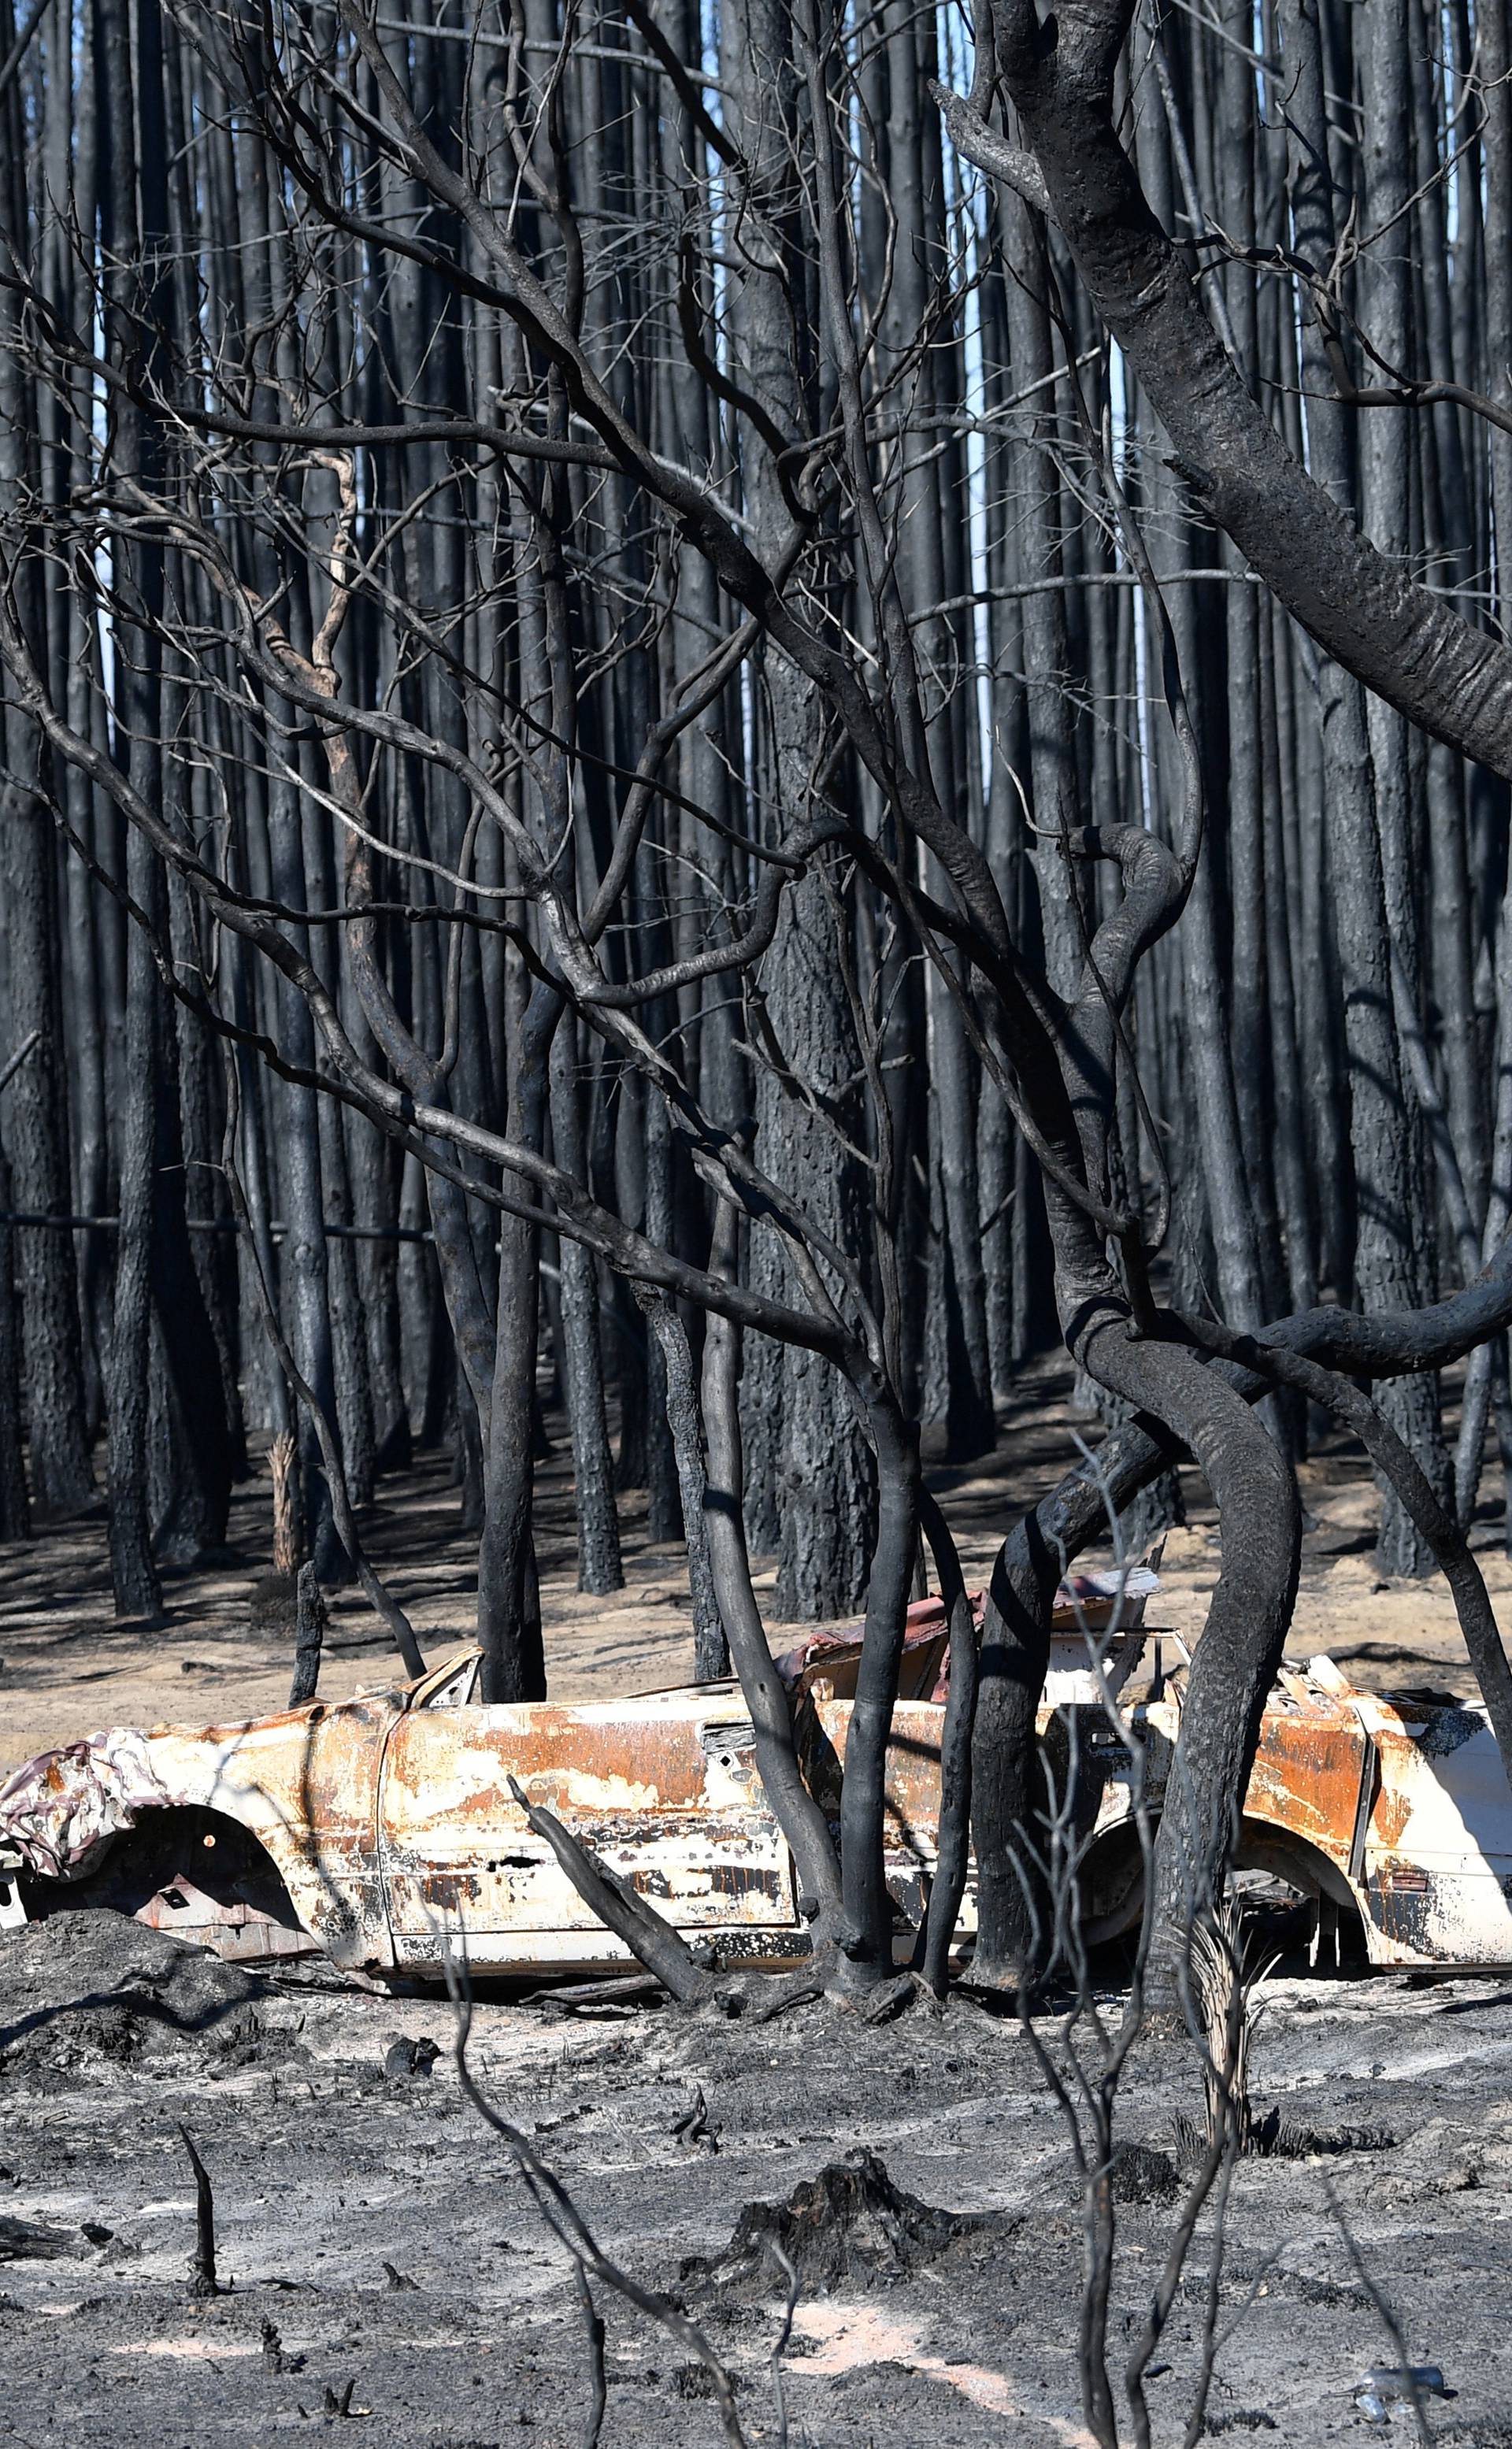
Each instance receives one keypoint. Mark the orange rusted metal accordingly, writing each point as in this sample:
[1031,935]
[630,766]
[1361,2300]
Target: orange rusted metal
[1308,1771]
[665,1790]
[390,1820]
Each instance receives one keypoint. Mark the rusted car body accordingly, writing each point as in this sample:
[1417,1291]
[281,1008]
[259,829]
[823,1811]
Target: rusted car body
[381,1829]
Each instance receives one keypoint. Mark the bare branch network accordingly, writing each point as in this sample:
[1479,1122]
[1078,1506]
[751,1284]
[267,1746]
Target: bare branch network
[755,714]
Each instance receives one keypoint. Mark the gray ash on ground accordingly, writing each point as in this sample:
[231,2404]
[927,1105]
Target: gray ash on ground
[920,2170]
[75,1960]
[85,1989]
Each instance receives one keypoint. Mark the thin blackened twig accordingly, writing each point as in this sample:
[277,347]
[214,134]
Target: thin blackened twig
[1391,2325]
[565,2222]
[593,2328]
[12,1063]
[780,2344]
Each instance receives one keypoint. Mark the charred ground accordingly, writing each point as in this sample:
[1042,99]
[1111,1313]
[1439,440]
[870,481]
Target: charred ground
[338,2176]
[371,2232]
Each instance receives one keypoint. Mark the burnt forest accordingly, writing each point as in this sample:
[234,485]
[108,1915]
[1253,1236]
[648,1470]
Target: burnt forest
[755,1222]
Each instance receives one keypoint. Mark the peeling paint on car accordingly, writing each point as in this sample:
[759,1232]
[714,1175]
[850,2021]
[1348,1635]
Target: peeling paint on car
[390,1822]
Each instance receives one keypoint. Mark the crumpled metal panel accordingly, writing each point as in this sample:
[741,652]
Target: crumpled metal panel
[303,1782]
[1308,1769]
[824,1665]
[61,1811]
[236,1930]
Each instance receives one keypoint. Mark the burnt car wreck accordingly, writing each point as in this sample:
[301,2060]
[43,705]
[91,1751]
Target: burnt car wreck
[380,1829]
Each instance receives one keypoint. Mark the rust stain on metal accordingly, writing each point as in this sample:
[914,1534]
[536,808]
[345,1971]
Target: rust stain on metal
[389,1823]
[1390,1815]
